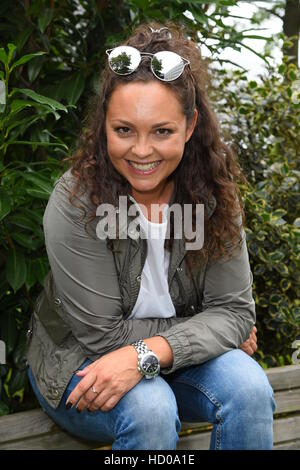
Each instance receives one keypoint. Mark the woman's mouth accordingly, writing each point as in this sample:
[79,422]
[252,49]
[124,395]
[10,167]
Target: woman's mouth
[143,168]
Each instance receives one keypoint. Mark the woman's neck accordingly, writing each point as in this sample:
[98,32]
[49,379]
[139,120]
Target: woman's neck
[161,197]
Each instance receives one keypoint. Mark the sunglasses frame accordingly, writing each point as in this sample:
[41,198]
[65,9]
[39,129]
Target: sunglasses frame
[147,54]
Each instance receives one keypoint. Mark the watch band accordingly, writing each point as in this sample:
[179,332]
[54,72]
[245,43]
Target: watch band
[142,349]
[141,346]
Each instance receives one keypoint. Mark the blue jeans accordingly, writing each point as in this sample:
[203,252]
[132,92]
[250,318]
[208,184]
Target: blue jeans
[231,391]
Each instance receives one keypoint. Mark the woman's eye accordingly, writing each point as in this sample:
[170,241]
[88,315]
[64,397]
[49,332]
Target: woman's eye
[120,129]
[165,131]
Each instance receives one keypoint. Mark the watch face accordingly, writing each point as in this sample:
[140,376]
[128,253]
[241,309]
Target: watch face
[150,364]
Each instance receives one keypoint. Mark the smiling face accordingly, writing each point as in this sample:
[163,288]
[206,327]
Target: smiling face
[146,134]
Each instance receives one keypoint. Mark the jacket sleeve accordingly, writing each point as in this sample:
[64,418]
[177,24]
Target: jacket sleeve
[227,317]
[86,280]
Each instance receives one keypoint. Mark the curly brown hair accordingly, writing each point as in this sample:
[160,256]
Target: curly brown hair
[206,159]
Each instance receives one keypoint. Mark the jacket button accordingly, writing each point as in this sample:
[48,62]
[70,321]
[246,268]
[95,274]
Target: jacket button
[138,278]
[179,269]
[29,332]
[55,393]
[192,308]
[57,301]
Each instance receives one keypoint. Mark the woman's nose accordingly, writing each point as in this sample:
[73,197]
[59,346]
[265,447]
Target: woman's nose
[142,148]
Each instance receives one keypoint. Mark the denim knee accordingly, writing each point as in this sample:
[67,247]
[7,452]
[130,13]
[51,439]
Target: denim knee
[256,398]
[150,418]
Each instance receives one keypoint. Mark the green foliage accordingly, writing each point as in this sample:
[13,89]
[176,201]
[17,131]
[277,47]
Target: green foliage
[262,121]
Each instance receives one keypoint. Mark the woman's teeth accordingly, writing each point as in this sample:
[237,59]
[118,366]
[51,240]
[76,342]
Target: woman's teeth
[148,166]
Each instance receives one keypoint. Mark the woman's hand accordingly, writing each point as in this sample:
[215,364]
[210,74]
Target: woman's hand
[250,345]
[111,376]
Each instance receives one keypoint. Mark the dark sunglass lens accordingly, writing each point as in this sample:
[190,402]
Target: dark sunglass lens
[167,65]
[124,60]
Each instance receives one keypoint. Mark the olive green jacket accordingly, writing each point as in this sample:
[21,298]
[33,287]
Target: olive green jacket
[90,291]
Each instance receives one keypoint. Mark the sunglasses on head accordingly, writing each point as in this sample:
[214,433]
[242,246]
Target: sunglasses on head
[165,65]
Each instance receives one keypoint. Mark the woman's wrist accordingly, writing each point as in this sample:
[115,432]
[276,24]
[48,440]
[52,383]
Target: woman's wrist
[160,346]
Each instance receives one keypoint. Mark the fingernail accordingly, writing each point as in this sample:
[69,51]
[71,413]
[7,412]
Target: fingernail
[75,371]
[68,405]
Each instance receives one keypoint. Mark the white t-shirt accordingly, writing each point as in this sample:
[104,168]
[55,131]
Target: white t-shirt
[154,299]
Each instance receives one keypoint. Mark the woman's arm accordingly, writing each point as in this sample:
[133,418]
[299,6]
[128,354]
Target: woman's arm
[227,318]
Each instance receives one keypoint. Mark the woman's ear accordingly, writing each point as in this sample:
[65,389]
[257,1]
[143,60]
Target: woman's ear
[191,126]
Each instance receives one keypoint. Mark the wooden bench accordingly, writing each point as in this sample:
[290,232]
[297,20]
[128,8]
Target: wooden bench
[35,430]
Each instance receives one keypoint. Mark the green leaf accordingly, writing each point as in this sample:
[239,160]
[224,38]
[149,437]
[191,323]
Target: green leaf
[17,382]
[22,221]
[276,256]
[275,299]
[40,182]
[297,222]
[3,56]
[4,409]
[37,193]
[277,221]
[75,88]
[19,351]
[19,105]
[26,58]
[41,266]
[282,68]
[282,269]
[31,275]
[279,213]
[11,50]
[34,68]
[26,241]
[285,284]
[41,99]
[15,269]
[243,110]
[5,204]
[45,18]
[266,217]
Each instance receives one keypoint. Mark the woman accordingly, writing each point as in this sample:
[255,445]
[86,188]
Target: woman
[158,333]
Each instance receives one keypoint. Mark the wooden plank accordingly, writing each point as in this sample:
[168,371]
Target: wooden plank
[25,424]
[285,377]
[35,422]
[287,401]
[53,441]
[287,429]
[199,441]
[291,445]
[286,436]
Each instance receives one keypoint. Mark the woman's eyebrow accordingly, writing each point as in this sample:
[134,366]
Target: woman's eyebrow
[163,123]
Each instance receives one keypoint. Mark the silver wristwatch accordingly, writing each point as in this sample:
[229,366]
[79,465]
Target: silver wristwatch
[148,362]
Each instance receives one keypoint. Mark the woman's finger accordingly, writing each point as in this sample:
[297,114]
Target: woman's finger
[81,388]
